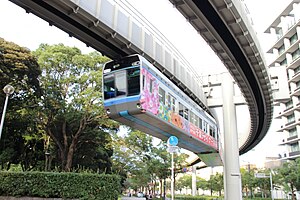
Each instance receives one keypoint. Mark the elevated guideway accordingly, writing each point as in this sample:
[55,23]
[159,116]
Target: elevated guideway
[225,27]
[115,30]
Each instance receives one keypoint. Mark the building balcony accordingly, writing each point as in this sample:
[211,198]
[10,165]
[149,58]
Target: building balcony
[291,155]
[294,154]
[296,76]
[289,33]
[289,125]
[286,112]
[294,64]
[296,92]
[290,140]
[279,58]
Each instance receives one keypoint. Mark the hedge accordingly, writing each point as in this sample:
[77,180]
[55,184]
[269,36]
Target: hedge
[60,185]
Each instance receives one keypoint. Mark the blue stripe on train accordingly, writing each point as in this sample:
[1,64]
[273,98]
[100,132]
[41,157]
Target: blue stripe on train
[121,100]
[129,117]
[126,115]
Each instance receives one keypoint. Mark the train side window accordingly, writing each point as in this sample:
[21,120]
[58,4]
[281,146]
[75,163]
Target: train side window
[109,86]
[180,106]
[212,131]
[205,126]
[174,104]
[200,123]
[194,119]
[133,77]
[162,96]
[144,82]
[171,103]
[168,101]
[183,111]
[151,86]
[186,113]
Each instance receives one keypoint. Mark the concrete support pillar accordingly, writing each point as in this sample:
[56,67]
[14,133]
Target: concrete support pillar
[194,181]
[232,178]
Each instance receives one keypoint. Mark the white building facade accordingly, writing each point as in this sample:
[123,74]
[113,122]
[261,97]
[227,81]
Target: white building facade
[285,50]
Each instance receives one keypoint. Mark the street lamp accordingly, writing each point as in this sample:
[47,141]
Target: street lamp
[8,90]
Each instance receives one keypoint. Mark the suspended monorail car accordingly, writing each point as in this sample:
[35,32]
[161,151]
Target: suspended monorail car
[137,94]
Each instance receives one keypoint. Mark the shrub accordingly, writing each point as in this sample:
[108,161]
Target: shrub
[60,185]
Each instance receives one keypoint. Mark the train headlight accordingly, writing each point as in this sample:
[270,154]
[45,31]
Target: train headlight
[107,111]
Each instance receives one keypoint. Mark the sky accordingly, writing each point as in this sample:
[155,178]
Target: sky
[30,31]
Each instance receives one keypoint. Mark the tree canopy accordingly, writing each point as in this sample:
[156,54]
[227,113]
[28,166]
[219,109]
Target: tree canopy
[71,111]
[21,138]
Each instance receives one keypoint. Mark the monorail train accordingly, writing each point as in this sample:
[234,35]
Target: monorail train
[137,94]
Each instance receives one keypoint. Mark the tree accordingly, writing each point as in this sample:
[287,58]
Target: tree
[201,183]
[22,140]
[71,108]
[290,173]
[248,180]
[216,183]
[185,182]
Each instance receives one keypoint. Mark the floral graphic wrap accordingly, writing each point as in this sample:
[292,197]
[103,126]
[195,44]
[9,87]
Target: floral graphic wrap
[176,120]
[164,112]
[201,135]
[149,99]
[150,102]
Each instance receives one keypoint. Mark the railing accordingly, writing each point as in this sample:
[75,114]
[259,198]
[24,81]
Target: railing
[134,13]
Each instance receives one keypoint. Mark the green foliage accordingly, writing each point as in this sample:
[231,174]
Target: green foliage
[71,112]
[249,182]
[184,182]
[21,141]
[289,174]
[216,183]
[60,185]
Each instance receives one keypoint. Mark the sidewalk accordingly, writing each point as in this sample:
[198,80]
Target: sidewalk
[137,198]
[133,198]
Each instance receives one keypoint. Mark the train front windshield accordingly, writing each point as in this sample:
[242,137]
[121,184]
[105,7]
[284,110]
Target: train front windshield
[122,78]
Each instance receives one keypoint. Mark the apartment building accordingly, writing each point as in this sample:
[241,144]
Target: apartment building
[285,30]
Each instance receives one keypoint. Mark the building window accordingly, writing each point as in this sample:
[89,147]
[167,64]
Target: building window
[281,49]
[289,104]
[291,118]
[293,39]
[294,147]
[295,54]
[298,84]
[296,70]
[293,132]
[279,33]
[284,62]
